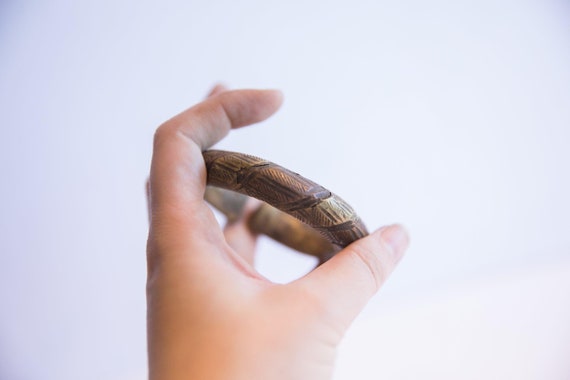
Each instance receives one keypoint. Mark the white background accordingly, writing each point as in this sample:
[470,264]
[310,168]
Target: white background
[451,117]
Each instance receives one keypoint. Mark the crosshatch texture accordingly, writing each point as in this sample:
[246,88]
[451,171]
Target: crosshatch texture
[287,191]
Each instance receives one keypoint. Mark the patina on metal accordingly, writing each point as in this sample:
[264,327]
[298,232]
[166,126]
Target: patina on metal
[297,211]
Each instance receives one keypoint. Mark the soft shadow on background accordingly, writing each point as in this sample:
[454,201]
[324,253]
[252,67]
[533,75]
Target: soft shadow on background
[451,117]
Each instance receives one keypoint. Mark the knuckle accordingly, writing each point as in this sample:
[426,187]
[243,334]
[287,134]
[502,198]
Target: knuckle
[368,259]
[163,132]
[152,252]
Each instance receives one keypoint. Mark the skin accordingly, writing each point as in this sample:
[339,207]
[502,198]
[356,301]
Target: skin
[210,314]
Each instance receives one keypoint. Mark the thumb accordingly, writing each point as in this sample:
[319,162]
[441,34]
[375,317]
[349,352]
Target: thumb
[345,283]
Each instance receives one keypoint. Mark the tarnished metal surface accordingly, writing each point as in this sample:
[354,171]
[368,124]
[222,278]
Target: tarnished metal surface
[303,199]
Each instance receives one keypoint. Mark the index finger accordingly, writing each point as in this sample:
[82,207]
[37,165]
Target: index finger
[178,174]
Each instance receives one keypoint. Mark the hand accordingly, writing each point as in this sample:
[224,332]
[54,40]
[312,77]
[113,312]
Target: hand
[210,314]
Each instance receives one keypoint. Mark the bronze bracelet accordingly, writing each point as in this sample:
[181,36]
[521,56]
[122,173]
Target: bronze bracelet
[312,219]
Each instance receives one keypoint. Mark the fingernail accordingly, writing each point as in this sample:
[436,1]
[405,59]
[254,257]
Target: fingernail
[396,237]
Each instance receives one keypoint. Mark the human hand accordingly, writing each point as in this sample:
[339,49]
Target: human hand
[210,314]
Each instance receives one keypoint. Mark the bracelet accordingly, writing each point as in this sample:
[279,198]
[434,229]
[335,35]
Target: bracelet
[297,211]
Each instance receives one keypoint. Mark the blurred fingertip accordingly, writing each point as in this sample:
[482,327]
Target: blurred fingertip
[278,94]
[218,89]
[396,237]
